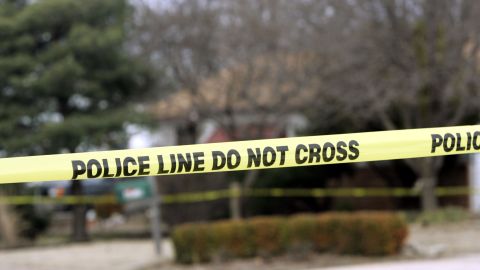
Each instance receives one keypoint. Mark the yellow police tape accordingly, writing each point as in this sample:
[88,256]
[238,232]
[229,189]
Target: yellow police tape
[205,196]
[193,197]
[244,155]
[28,199]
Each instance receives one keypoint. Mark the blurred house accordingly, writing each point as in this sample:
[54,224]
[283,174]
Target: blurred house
[262,99]
[256,100]
[266,99]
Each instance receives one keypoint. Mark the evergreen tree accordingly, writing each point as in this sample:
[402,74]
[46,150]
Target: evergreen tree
[67,81]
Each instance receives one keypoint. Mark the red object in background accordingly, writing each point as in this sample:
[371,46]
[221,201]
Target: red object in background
[248,132]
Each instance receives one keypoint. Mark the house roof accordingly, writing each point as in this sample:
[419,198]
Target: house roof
[269,84]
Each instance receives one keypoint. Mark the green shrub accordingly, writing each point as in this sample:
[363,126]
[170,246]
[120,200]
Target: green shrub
[300,229]
[267,235]
[380,233]
[366,233]
[346,234]
[232,239]
[328,231]
[298,234]
[362,233]
[194,243]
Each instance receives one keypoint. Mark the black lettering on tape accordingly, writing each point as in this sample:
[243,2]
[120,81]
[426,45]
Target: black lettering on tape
[79,168]
[437,141]
[98,171]
[126,166]
[352,147]
[161,165]
[143,165]
[469,140]
[106,169]
[314,152]
[198,161]
[459,143]
[233,155]
[184,162]
[298,151]
[118,164]
[173,162]
[342,152]
[254,158]
[269,151]
[475,143]
[219,160]
[282,149]
[328,152]
[447,147]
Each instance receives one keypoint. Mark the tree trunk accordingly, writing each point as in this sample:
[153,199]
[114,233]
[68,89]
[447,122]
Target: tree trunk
[428,180]
[235,201]
[8,226]
[79,222]
[250,178]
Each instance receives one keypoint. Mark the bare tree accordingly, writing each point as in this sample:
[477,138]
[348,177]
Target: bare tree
[181,39]
[240,63]
[410,64]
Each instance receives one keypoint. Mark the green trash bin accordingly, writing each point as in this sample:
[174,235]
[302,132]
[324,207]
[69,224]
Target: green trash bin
[132,190]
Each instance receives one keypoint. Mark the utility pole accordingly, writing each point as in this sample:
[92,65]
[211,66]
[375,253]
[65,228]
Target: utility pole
[155,216]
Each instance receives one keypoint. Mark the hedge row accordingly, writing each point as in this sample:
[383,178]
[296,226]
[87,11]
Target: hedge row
[363,233]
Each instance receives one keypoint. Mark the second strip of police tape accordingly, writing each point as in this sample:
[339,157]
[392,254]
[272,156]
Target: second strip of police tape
[205,196]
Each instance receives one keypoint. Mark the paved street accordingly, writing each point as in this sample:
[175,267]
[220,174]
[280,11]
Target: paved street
[470,262]
[460,239]
[134,255]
